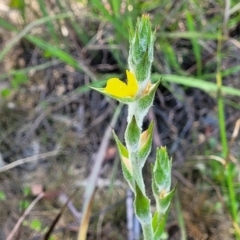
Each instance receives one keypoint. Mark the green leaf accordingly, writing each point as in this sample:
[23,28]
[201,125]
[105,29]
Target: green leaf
[161,181]
[122,149]
[19,4]
[26,191]
[132,135]
[23,205]
[158,225]
[126,164]
[143,104]
[18,80]
[124,100]
[164,201]
[141,49]
[5,92]
[162,172]
[142,207]
[2,196]
[155,220]
[147,145]
[36,225]
[55,51]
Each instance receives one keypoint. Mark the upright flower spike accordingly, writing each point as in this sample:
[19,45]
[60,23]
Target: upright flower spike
[138,93]
[141,51]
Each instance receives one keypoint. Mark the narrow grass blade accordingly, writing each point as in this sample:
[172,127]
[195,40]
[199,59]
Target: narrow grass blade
[190,35]
[5,24]
[224,73]
[195,44]
[49,24]
[25,31]
[180,217]
[170,55]
[197,83]
[28,69]
[116,4]
[54,51]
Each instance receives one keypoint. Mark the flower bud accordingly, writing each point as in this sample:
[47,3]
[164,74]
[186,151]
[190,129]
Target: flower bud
[141,51]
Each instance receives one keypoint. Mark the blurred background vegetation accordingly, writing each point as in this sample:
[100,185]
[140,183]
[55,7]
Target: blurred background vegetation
[52,124]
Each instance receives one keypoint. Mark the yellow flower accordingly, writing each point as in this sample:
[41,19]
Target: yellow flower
[120,89]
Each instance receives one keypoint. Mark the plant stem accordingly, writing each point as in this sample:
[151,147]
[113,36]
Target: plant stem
[221,117]
[229,174]
[147,231]
[180,218]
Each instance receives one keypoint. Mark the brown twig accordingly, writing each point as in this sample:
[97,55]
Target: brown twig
[28,159]
[26,212]
[90,190]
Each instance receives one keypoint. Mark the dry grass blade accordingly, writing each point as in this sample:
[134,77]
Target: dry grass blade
[21,219]
[28,159]
[212,157]
[232,141]
[235,132]
[90,190]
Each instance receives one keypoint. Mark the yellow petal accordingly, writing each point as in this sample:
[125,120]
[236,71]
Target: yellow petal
[118,88]
[132,83]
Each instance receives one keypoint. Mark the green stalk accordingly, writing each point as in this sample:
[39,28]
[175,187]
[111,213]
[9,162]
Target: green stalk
[229,175]
[195,44]
[147,231]
[232,197]
[180,218]
[138,93]
[221,116]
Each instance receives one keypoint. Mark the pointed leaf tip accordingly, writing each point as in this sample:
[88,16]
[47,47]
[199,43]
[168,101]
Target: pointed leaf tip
[132,135]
